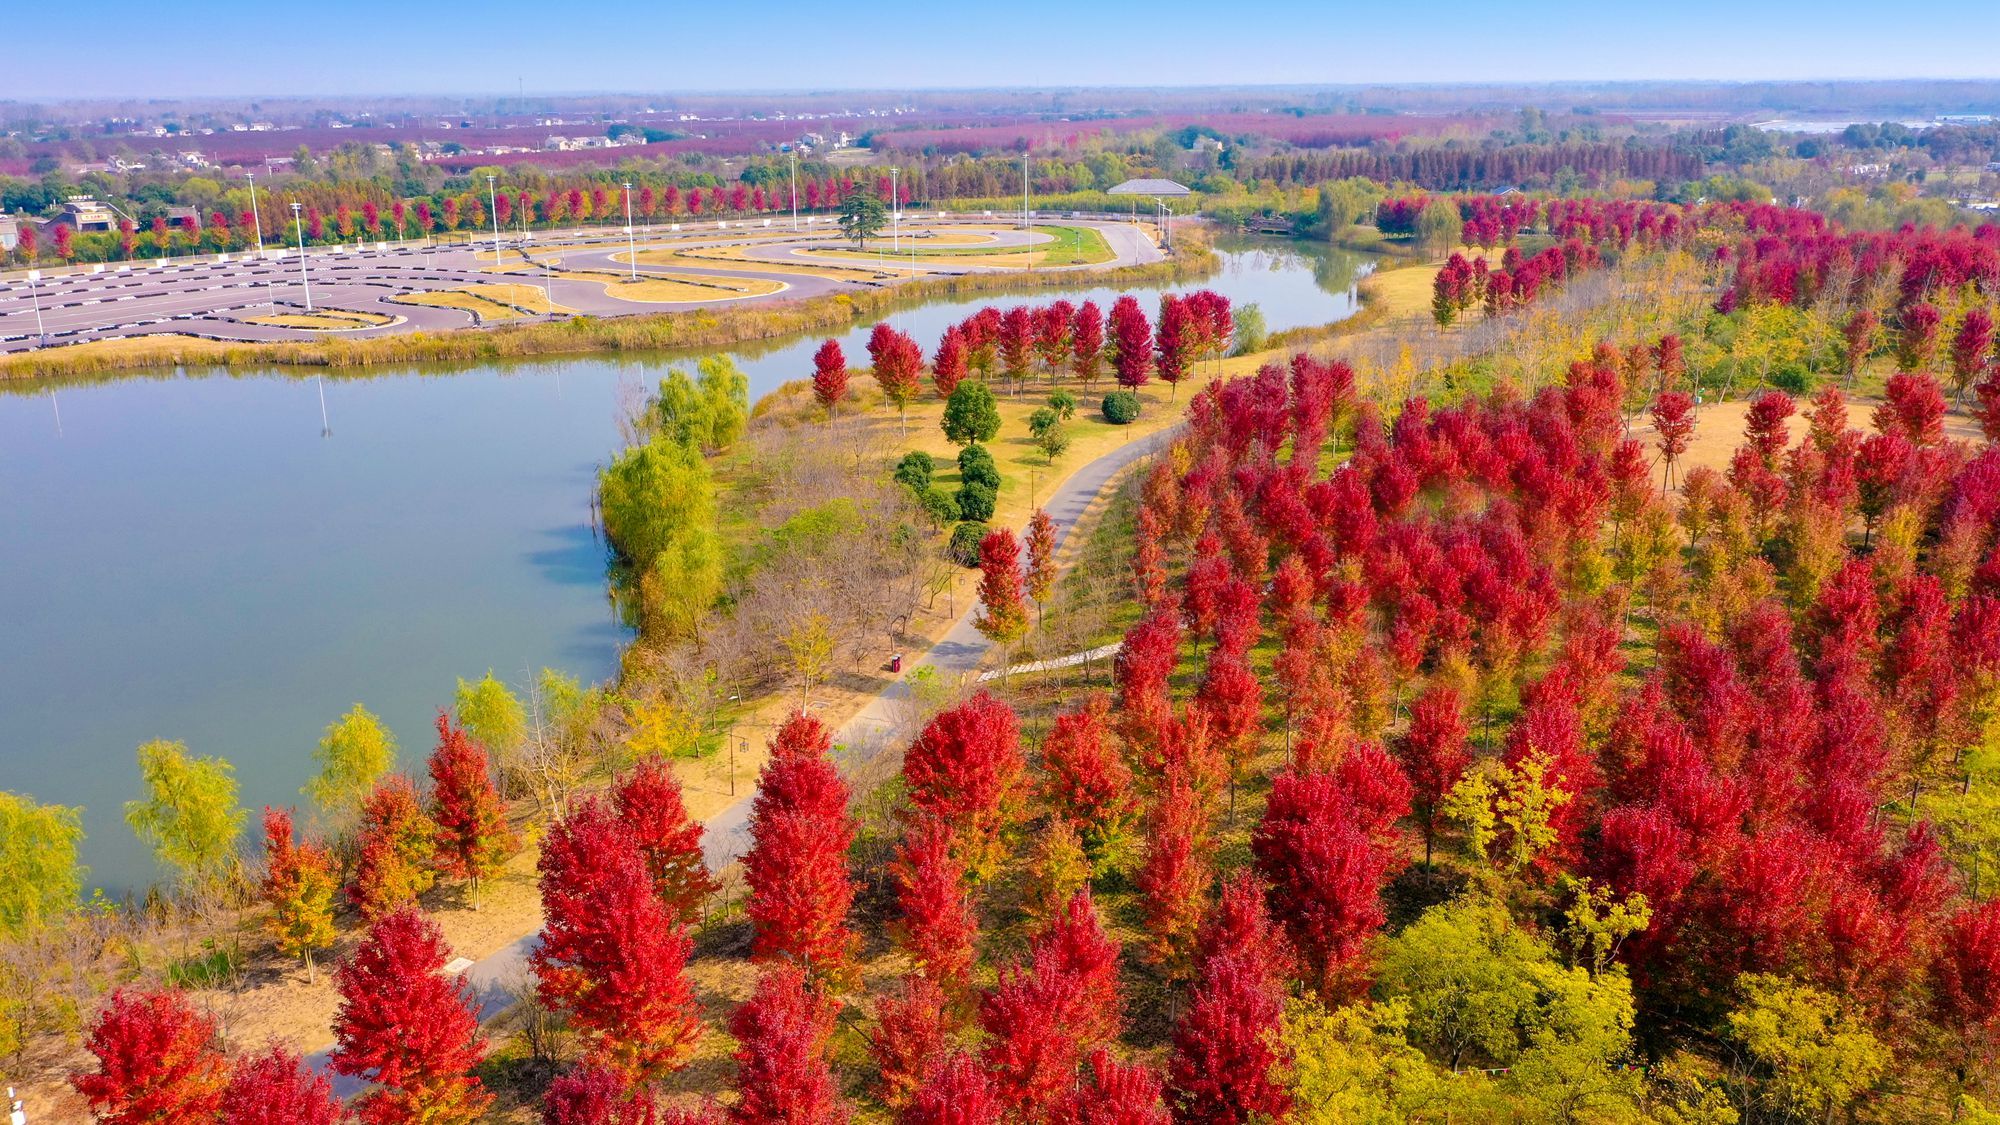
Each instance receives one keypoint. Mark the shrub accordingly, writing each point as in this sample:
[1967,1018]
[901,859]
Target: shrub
[914,470]
[1064,404]
[1121,408]
[939,505]
[965,540]
[976,466]
[975,500]
[1792,379]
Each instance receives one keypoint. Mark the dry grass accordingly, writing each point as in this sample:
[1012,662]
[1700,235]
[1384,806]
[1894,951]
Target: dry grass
[326,320]
[489,302]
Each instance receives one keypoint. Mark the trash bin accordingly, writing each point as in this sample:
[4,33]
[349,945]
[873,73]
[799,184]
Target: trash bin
[896,663]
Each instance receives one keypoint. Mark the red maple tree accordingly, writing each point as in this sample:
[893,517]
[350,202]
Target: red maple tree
[965,769]
[784,1074]
[407,1027]
[612,955]
[473,838]
[796,868]
[651,806]
[829,376]
[157,1060]
[276,1087]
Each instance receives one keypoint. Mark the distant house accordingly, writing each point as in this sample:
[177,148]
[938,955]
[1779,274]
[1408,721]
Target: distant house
[179,216]
[82,212]
[10,232]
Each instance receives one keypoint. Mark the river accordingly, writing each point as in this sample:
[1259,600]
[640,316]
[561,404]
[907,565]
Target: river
[196,557]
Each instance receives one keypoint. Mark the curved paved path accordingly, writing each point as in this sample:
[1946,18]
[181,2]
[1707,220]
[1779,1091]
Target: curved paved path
[876,730]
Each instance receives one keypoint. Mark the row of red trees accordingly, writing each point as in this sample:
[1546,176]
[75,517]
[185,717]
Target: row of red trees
[1055,340]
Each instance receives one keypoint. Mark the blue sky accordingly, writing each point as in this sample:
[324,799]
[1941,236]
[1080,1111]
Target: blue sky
[373,47]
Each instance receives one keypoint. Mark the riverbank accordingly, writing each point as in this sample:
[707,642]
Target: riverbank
[714,328]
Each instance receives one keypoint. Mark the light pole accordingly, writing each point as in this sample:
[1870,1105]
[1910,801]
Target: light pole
[732,750]
[1027,249]
[300,224]
[493,205]
[631,247]
[895,200]
[41,334]
[795,189]
[255,221]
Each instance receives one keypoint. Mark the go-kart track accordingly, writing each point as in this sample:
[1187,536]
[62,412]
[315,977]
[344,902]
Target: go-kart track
[549,274]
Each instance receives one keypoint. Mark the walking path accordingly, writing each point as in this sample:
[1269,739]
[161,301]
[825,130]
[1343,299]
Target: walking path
[878,728]
[1053,663]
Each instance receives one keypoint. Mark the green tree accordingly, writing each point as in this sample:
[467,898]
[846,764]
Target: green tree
[657,502]
[1342,203]
[970,415]
[352,756]
[1051,436]
[1480,987]
[39,875]
[1439,227]
[709,410]
[1250,330]
[1354,1065]
[1817,1060]
[491,713]
[189,817]
[862,216]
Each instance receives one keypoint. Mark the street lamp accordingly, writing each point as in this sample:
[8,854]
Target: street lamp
[493,205]
[255,221]
[895,197]
[795,189]
[631,247]
[41,334]
[300,225]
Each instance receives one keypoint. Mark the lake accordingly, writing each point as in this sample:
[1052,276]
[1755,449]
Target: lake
[192,557]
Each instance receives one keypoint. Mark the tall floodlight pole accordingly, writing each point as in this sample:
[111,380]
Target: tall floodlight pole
[493,205]
[300,224]
[255,221]
[631,247]
[41,333]
[1026,248]
[895,199]
[795,194]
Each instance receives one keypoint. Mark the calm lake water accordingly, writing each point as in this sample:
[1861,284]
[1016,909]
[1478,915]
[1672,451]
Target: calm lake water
[190,558]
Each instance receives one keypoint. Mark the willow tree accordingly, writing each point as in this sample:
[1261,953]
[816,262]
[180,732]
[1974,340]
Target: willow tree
[189,816]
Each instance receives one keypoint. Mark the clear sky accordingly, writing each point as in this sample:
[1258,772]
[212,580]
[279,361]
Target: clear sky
[376,47]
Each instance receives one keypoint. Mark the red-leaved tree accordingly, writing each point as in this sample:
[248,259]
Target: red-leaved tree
[157,1061]
[473,838]
[784,1075]
[653,811]
[1084,777]
[965,769]
[796,869]
[393,849]
[1132,341]
[829,376]
[406,1026]
[612,955]
[937,926]
[1003,604]
[276,1087]
[958,1093]
[1228,1057]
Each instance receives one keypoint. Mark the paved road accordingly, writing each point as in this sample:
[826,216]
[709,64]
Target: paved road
[216,296]
[878,729]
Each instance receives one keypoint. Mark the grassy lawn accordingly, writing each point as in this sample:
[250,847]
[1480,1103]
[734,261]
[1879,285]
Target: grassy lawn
[1072,246]
[490,302]
[663,288]
[325,320]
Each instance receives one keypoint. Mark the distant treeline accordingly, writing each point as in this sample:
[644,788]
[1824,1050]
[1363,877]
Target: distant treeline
[1451,169]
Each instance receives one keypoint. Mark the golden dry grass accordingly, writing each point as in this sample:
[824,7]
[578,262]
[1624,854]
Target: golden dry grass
[327,320]
[490,302]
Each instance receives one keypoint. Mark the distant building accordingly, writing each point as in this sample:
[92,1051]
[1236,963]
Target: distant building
[179,216]
[82,212]
[10,232]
